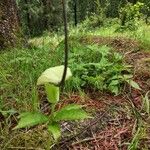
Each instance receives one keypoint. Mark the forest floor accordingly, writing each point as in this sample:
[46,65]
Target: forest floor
[119,122]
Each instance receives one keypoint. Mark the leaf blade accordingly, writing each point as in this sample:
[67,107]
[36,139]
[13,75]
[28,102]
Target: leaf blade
[71,112]
[55,130]
[30,119]
[53,75]
[134,84]
[52,92]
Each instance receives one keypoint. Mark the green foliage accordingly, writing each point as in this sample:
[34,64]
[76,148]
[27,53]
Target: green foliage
[99,68]
[133,84]
[19,70]
[93,21]
[29,119]
[38,16]
[55,130]
[97,18]
[70,112]
[52,93]
[130,15]
[146,103]
[138,135]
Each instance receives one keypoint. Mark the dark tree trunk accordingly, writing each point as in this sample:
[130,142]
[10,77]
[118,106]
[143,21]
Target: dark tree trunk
[123,19]
[28,16]
[46,6]
[9,24]
[75,13]
[133,1]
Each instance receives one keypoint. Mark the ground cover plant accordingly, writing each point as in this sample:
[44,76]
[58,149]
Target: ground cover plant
[50,79]
[104,105]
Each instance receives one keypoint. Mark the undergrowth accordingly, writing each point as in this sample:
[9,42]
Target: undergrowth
[21,67]
[97,67]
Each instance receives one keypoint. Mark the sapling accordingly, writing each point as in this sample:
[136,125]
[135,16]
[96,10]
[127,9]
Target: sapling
[51,78]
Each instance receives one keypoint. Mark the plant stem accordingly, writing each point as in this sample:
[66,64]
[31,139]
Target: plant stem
[53,108]
[62,83]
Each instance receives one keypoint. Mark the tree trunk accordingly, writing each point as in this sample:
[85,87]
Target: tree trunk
[28,18]
[123,19]
[75,13]
[46,6]
[132,1]
[10,33]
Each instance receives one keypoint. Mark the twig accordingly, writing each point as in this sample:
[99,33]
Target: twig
[87,140]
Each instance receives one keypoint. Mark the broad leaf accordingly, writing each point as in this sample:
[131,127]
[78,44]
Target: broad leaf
[53,75]
[52,92]
[8,112]
[30,119]
[114,82]
[134,84]
[127,76]
[114,89]
[146,103]
[55,130]
[71,107]
[71,112]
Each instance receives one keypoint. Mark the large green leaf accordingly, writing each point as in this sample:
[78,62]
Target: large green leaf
[53,75]
[127,76]
[71,107]
[134,84]
[114,89]
[52,92]
[146,103]
[29,119]
[55,130]
[71,112]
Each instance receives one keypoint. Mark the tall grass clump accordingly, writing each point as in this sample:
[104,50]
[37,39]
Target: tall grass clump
[20,69]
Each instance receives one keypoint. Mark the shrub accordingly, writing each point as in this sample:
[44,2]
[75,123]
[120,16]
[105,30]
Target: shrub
[130,15]
[99,68]
[51,79]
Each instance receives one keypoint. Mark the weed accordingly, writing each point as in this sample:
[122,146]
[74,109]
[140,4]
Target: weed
[138,135]
[98,69]
[146,103]
[51,78]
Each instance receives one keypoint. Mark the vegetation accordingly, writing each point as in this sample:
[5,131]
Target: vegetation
[109,61]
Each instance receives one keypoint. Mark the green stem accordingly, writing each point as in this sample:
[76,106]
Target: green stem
[53,108]
[52,113]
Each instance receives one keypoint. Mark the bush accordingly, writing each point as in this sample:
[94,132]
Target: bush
[96,67]
[130,15]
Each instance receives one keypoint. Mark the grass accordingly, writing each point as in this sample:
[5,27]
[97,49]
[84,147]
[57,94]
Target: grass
[20,69]
[142,35]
